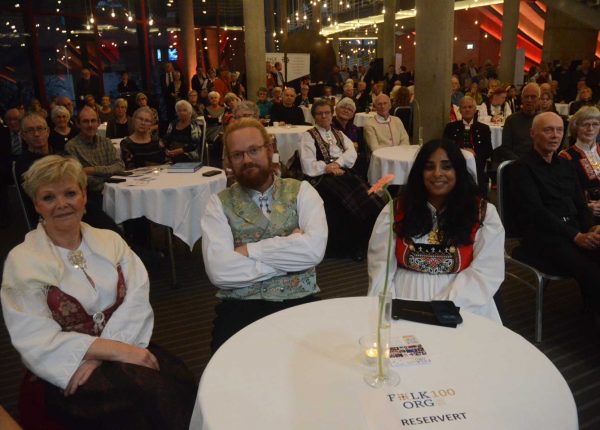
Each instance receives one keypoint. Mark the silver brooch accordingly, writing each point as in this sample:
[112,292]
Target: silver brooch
[77,259]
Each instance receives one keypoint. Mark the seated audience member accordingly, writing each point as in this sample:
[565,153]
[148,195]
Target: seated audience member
[546,103]
[66,102]
[403,109]
[199,80]
[344,122]
[348,90]
[328,95]
[390,78]
[99,159]
[203,96]
[495,110]
[141,100]
[303,99]
[236,85]
[231,101]
[327,155]
[196,105]
[177,90]
[75,302]
[120,125]
[213,112]
[361,99]
[126,86]
[384,130]
[105,112]
[375,91]
[449,243]
[286,112]
[475,94]
[584,155]
[36,107]
[183,138]
[470,134]
[276,96]
[35,135]
[456,94]
[142,148]
[90,101]
[584,99]
[513,99]
[516,137]
[62,132]
[262,237]
[557,225]
[264,105]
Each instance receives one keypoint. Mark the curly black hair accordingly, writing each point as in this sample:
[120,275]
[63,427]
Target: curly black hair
[461,209]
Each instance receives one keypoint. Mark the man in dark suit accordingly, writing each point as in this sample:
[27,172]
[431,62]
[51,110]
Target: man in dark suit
[470,134]
[11,146]
[362,98]
[88,84]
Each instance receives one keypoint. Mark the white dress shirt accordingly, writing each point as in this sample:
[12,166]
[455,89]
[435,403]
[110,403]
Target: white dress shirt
[267,258]
[308,152]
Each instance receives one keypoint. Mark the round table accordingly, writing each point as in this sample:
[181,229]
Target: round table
[288,139]
[301,369]
[398,160]
[175,200]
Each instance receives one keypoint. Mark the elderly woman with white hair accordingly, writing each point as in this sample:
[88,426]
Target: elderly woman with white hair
[183,139]
[584,155]
[344,122]
[62,131]
[75,302]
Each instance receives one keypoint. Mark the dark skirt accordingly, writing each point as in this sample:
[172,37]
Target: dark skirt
[351,213]
[125,396]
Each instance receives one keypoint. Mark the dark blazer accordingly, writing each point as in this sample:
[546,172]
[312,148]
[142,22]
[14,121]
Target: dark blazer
[362,102]
[481,141]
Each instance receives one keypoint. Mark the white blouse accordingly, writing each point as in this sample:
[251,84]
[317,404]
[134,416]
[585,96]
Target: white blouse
[46,350]
[471,289]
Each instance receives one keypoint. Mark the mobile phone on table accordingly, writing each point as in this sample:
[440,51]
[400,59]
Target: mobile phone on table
[211,173]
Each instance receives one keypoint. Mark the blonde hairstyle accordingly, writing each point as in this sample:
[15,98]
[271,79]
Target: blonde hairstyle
[244,123]
[57,110]
[120,101]
[230,97]
[584,113]
[52,169]
[143,109]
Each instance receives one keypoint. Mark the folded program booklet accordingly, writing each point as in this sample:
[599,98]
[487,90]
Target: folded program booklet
[189,167]
[436,312]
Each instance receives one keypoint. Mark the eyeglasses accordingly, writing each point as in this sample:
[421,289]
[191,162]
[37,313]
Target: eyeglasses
[589,125]
[35,130]
[253,152]
[323,113]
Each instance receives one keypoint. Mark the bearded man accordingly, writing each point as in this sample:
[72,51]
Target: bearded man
[262,237]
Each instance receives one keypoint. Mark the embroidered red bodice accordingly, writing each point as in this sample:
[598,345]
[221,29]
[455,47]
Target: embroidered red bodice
[71,315]
[429,258]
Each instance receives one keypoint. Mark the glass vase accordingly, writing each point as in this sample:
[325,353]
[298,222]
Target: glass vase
[381,373]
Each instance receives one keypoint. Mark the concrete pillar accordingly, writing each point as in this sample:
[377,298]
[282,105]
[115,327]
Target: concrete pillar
[567,39]
[508,46]
[434,26]
[187,38]
[254,34]
[388,33]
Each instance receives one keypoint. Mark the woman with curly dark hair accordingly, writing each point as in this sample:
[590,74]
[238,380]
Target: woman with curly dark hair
[449,243]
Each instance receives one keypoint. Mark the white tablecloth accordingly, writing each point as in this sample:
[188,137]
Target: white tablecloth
[102,129]
[288,139]
[176,200]
[398,160]
[562,108]
[496,135]
[301,369]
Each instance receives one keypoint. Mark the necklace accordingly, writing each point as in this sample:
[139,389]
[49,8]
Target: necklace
[435,236]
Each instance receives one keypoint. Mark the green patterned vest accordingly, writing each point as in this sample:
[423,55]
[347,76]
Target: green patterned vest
[249,224]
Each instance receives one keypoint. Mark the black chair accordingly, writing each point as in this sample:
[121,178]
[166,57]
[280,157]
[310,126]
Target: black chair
[540,270]
[28,221]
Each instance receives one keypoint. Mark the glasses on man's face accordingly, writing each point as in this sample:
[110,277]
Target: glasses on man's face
[323,113]
[34,130]
[91,121]
[253,152]
[590,124]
